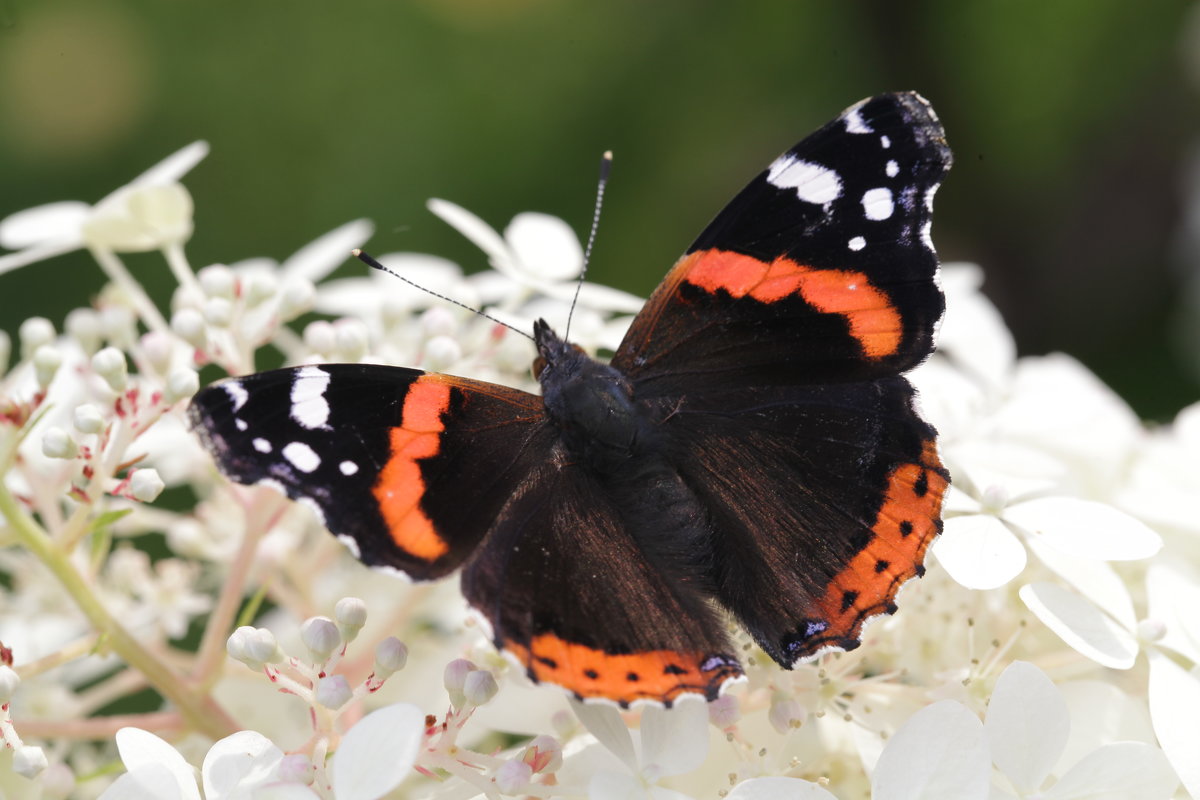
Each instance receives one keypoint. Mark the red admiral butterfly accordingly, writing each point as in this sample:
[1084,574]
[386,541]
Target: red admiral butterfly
[753,444]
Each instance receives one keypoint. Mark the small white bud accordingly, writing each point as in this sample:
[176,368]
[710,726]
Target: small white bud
[181,384]
[513,776]
[46,361]
[724,711]
[57,443]
[9,681]
[995,499]
[320,337]
[1151,630]
[218,312]
[34,332]
[58,782]
[110,365]
[29,761]
[297,768]
[218,280]
[253,647]
[544,754]
[439,321]
[786,713]
[479,687]
[442,352]
[351,616]
[86,327]
[145,485]
[333,691]
[259,286]
[351,339]
[454,678]
[119,325]
[320,635]
[390,656]
[88,419]
[156,347]
[189,324]
[297,298]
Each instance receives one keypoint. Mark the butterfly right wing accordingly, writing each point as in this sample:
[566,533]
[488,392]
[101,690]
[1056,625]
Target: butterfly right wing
[408,468]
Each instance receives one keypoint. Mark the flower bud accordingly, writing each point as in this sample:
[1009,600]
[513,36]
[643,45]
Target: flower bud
[724,711]
[351,616]
[513,776]
[544,754]
[218,280]
[259,286]
[156,347]
[58,782]
[46,361]
[479,687]
[455,678]
[9,681]
[320,636]
[188,323]
[88,419]
[86,327]
[442,352]
[110,365]
[1151,630]
[145,485]
[297,298]
[57,443]
[29,761]
[320,337]
[351,339]
[119,325]
[182,383]
[297,768]
[33,333]
[786,713]
[333,691]
[390,656]
[439,321]
[254,647]
[218,312]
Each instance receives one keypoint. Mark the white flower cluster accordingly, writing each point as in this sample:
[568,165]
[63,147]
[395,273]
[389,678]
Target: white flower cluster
[1071,674]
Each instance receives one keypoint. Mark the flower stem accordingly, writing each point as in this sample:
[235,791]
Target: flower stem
[117,273]
[200,711]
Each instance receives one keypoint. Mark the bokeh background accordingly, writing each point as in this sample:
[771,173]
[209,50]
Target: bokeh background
[1075,125]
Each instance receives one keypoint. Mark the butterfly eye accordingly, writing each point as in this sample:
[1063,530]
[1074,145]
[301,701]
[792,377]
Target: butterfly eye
[539,366]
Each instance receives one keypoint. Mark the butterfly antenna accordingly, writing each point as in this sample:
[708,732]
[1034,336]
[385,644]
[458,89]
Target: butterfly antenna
[605,169]
[371,262]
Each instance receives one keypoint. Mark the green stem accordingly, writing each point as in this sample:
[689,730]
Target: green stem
[200,711]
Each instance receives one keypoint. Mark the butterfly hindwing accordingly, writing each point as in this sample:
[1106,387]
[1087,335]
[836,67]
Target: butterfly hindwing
[820,270]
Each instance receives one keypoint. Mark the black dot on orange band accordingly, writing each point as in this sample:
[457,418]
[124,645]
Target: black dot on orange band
[632,677]
[674,669]
[881,565]
[591,674]
[921,485]
[906,528]
[890,609]
[848,599]
[920,570]
[549,662]
[938,524]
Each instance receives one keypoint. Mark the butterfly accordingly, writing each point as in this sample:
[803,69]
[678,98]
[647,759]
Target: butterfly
[752,449]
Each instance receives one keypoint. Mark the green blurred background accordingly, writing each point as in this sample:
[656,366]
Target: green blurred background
[1073,124]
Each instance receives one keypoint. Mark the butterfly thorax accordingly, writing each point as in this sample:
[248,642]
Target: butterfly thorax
[590,403]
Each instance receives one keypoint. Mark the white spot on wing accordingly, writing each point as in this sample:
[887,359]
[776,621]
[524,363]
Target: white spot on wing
[857,243]
[237,393]
[303,457]
[855,123]
[878,204]
[926,238]
[240,423]
[929,193]
[892,169]
[812,182]
[261,445]
[310,409]
[393,571]
[348,467]
[351,545]
[885,141]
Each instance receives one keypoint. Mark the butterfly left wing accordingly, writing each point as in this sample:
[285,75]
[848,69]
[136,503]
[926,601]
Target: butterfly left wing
[408,468]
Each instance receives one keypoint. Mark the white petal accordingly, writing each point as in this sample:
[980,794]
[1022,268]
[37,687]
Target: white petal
[378,752]
[972,329]
[940,752]
[544,246]
[326,253]
[605,723]
[1086,528]
[1027,725]
[244,760]
[149,782]
[1094,579]
[1019,469]
[32,255]
[596,296]
[1173,600]
[1100,714]
[1174,696]
[979,552]
[49,222]
[139,748]
[1117,771]
[674,740]
[1081,625]
[174,166]
[778,789]
[475,229]
[615,786]
[284,791]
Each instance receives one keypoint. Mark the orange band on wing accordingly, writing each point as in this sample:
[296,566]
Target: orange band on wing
[400,485]
[874,320]
[906,524]
[660,675]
